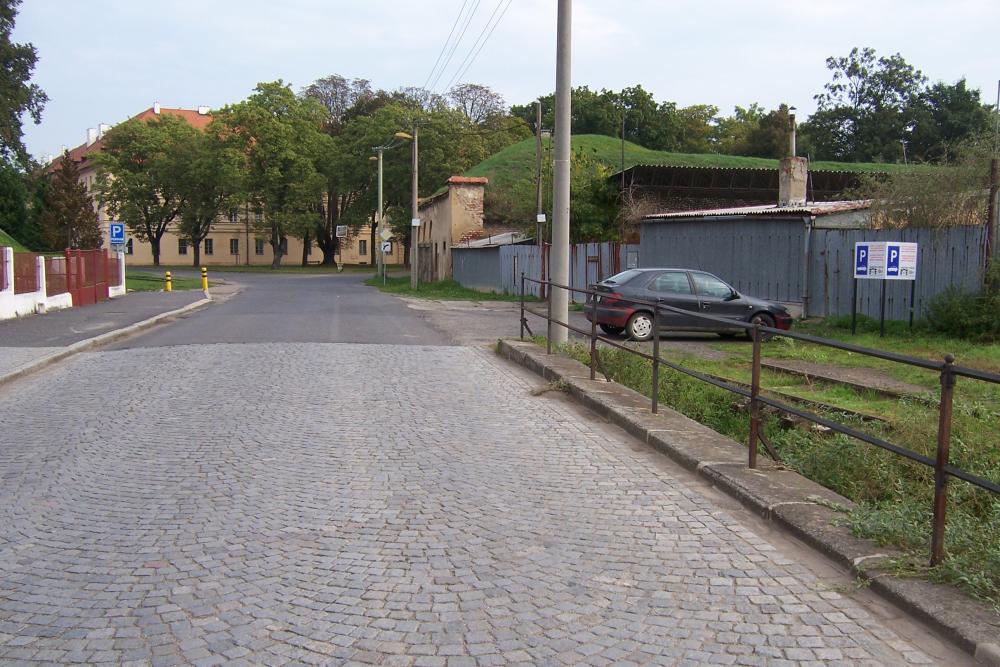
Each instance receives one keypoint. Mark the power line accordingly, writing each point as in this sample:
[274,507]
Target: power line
[451,53]
[446,42]
[471,57]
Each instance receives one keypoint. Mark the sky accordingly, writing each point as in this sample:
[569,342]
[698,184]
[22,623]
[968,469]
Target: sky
[103,61]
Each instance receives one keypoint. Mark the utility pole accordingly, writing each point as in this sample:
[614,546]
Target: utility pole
[378,227]
[414,217]
[559,298]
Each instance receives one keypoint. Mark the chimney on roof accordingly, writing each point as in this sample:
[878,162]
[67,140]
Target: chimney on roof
[102,130]
[203,111]
[91,135]
[793,173]
[63,149]
[156,107]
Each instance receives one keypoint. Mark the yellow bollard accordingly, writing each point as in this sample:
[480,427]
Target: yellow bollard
[204,279]
[168,283]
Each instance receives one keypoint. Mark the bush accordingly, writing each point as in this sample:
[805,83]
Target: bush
[964,315]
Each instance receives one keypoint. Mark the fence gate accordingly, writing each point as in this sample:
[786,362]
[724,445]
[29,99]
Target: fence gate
[87,276]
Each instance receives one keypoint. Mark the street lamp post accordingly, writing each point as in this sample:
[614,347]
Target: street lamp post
[414,217]
[397,139]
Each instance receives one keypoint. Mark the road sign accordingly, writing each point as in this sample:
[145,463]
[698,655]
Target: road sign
[386,234]
[387,247]
[885,260]
[116,233]
[341,231]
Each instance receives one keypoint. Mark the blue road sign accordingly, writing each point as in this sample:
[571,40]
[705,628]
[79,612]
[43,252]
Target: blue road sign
[117,233]
[892,260]
[861,260]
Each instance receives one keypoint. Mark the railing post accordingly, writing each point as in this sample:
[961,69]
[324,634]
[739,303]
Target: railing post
[522,305]
[754,403]
[548,328]
[943,447]
[656,360]
[593,343]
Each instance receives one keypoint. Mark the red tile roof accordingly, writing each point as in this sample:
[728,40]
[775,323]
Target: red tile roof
[81,152]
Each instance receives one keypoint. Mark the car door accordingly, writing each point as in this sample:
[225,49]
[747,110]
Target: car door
[718,299]
[673,288]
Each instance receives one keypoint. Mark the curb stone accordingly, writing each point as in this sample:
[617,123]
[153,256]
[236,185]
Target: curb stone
[97,341]
[806,509]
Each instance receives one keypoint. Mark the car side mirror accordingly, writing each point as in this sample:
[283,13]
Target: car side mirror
[733,295]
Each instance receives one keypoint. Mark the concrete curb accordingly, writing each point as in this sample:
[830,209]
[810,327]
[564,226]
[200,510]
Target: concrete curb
[97,341]
[806,509]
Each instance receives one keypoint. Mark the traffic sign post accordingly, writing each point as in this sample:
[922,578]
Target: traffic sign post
[883,260]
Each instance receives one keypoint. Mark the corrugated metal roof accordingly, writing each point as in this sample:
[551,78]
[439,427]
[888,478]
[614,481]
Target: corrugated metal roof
[730,168]
[809,208]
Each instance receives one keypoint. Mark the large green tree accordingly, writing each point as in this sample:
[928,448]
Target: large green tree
[69,219]
[285,149]
[17,96]
[211,183]
[141,172]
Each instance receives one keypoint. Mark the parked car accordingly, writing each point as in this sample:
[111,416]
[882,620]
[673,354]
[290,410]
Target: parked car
[695,291]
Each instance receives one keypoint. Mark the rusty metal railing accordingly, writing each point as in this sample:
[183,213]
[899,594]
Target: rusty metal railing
[946,368]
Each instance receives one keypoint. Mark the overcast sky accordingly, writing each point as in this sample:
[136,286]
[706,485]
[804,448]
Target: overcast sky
[102,61]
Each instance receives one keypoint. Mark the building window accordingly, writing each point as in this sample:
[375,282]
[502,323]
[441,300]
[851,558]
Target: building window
[128,247]
[209,246]
[233,214]
[259,246]
[363,248]
[234,246]
[182,246]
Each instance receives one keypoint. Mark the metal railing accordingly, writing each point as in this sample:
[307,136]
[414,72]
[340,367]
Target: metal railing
[947,369]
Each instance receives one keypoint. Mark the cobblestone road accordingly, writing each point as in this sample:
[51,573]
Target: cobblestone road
[271,504]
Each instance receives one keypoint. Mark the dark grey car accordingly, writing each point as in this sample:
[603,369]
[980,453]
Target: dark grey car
[698,292]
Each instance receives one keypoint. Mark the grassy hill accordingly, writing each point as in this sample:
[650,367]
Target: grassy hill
[518,160]
[7,240]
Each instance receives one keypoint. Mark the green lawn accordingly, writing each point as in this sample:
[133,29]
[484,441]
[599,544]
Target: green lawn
[139,281]
[446,290]
[9,241]
[518,160]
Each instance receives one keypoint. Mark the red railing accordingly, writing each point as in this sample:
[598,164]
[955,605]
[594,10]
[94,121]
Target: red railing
[25,272]
[55,276]
[87,275]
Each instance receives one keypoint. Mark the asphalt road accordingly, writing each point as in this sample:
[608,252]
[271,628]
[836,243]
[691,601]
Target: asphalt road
[328,308]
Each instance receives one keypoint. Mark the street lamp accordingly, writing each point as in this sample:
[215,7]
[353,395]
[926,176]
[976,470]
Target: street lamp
[396,140]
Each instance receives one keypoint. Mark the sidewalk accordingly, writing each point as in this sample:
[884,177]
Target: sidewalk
[30,343]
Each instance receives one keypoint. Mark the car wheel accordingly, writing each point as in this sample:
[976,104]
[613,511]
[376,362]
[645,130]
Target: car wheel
[611,329]
[640,326]
[764,320]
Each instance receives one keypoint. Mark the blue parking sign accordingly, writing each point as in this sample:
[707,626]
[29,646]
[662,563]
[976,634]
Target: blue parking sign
[116,233]
[892,260]
[861,253]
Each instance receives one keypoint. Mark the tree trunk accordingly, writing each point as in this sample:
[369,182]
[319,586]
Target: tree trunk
[306,240]
[154,245]
[276,249]
[371,246]
[197,253]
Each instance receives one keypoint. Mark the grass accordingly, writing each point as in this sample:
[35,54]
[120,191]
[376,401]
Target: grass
[894,495]
[9,241]
[147,282]
[518,160]
[446,290]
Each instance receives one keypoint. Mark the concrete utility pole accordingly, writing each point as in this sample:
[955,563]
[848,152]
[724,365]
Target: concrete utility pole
[560,172]
[539,213]
[378,228]
[414,218]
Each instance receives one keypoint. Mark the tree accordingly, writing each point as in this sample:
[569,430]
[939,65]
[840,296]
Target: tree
[17,96]
[69,219]
[943,115]
[340,96]
[479,103]
[211,183]
[866,109]
[140,175]
[284,146]
[13,206]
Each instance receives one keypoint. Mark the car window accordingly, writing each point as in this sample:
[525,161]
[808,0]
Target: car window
[623,277]
[673,282]
[710,286]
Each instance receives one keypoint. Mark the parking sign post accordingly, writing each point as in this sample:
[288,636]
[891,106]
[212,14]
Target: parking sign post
[883,260]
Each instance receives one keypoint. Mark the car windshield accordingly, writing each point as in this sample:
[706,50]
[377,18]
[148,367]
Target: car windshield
[623,277]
